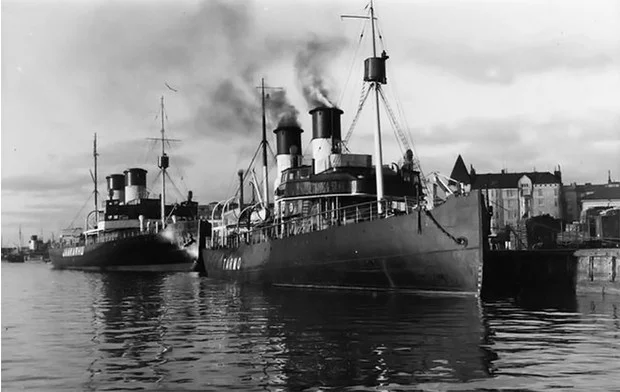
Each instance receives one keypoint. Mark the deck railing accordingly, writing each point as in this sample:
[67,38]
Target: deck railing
[342,216]
[107,237]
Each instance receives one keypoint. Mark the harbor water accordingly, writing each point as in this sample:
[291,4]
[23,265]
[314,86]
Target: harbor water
[69,330]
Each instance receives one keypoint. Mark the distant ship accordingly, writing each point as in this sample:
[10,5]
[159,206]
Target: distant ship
[14,255]
[133,232]
[344,223]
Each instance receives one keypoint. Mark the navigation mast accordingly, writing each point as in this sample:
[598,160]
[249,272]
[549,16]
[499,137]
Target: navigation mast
[374,73]
[264,142]
[95,155]
[163,165]
[376,84]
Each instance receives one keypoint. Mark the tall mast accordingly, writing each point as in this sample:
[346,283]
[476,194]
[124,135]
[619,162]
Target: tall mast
[95,180]
[264,142]
[378,148]
[163,165]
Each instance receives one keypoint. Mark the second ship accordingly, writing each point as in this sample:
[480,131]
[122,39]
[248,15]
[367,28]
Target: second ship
[134,232]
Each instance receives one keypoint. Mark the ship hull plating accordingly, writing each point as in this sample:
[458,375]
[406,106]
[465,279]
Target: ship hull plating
[414,252]
[174,249]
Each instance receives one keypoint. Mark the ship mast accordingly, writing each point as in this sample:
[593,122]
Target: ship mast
[163,165]
[374,73]
[95,155]
[378,150]
[19,244]
[264,143]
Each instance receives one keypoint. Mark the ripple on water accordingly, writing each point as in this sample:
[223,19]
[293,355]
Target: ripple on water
[67,330]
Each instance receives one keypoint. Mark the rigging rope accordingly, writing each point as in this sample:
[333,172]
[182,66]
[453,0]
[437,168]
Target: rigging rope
[70,225]
[363,96]
[247,171]
[175,186]
[397,131]
[352,64]
[275,161]
[402,116]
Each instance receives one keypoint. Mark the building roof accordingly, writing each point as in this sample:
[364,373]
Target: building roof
[607,192]
[511,180]
[459,172]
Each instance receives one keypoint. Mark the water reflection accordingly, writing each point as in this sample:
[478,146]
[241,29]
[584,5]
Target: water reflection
[129,329]
[555,342]
[340,339]
[66,330]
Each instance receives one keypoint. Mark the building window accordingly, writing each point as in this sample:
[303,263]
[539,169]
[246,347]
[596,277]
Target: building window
[540,192]
[541,202]
[555,202]
[555,192]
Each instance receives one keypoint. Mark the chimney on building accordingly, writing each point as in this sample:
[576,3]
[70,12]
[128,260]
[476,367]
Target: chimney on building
[558,173]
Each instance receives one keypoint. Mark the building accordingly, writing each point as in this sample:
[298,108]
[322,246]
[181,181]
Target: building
[604,198]
[599,212]
[579,198]
[514,196]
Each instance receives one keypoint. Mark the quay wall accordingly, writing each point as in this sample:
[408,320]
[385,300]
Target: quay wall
[598,270]
[511,272]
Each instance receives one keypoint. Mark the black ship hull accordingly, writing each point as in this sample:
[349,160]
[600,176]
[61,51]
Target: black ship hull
[440,252]
[14,258]
[173,249]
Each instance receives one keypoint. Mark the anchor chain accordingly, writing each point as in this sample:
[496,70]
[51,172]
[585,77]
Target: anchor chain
[460,240]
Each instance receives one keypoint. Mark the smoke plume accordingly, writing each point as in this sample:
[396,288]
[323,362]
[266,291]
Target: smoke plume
[310,67]
[214,53]
[280,110]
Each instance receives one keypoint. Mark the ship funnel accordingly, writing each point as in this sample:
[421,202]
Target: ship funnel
[288,137]
[288,149]
[135,184]
[326,136]
[116,187]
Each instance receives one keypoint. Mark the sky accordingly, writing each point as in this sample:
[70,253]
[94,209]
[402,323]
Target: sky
[516,85]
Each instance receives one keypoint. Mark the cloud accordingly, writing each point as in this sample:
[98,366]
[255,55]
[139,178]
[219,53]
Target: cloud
[518,143]
[43,183]
[504,64]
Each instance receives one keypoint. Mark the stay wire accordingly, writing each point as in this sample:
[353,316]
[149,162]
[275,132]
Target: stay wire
[400,110]
[399,107]
[247,171]
[353,59]
[79,211]
[174,185]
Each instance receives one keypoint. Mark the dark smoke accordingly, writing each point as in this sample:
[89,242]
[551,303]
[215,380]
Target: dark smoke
[212,52]
[228,107]
[310,67]
[280,110]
